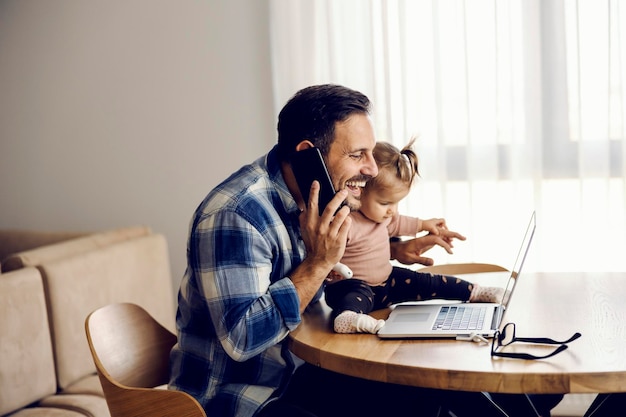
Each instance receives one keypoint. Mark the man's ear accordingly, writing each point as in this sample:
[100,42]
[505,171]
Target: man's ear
[305,144]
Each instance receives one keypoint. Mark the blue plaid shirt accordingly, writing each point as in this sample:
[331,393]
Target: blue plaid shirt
[236,304]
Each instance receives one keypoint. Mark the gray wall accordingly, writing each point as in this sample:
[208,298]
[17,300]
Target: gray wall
[116,113]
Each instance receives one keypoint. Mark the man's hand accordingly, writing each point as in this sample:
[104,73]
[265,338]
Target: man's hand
[325,239]
[325,236]
[410,251]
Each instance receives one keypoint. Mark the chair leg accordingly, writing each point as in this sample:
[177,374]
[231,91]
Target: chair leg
[469,404]
[515,405]
[605,405]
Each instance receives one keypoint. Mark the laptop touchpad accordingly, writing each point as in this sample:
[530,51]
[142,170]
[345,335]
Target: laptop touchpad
[412,317]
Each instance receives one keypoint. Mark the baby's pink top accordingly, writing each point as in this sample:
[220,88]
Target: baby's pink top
[367,251]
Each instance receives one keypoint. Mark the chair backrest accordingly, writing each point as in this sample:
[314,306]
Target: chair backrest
[462,268]
[131,352]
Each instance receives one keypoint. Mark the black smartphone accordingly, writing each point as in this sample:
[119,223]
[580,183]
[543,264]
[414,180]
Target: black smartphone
[308,165]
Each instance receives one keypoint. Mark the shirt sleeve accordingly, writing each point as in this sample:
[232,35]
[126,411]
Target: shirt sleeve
[252,303]
[404,225]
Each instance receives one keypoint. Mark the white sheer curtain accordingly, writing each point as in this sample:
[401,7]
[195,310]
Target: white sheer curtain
[519,105]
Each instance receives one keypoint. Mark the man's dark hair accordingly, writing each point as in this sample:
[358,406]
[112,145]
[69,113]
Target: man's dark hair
[311,114]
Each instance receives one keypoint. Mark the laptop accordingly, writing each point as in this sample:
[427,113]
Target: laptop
[433,319]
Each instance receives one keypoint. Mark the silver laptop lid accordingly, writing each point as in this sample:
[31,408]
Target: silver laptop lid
[519,262]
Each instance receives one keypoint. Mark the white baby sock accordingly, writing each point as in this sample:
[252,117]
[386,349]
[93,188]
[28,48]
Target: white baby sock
[486,294]
[352,322]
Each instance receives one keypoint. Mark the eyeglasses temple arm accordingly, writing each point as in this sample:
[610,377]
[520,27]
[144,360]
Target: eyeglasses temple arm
[547,340]
[528,356]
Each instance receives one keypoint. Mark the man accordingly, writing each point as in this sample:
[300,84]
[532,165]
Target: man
[258,255]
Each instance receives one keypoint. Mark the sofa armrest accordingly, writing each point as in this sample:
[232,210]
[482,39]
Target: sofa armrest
[28,371]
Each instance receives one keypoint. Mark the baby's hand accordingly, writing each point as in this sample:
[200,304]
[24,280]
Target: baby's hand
[339,272]
[333,276]
[448,236]
[434,226]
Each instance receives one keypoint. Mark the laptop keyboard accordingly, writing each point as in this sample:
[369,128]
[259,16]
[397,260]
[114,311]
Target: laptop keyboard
[460,318]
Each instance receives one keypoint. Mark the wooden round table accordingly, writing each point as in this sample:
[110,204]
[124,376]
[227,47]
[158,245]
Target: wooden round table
[552,305]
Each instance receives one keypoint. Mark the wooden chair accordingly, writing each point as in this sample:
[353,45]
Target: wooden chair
[131,352]
[462,268]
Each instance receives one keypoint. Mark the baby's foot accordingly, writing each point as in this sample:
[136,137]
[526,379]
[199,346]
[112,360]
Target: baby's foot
[352,322]
[486,294]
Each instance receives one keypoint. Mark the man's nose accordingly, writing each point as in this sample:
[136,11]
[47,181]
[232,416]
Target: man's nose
[370,167]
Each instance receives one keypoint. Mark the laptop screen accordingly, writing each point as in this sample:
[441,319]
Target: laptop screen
[519,261]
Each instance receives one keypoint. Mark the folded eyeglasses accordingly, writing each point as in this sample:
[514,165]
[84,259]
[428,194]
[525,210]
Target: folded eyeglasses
[506,337]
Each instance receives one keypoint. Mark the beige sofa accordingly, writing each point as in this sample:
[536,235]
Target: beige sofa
[49,283]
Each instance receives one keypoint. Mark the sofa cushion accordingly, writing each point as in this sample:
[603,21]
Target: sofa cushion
[46,412]
[37,256]
[90,405]
[27,372]
[87,385]
[135,270]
